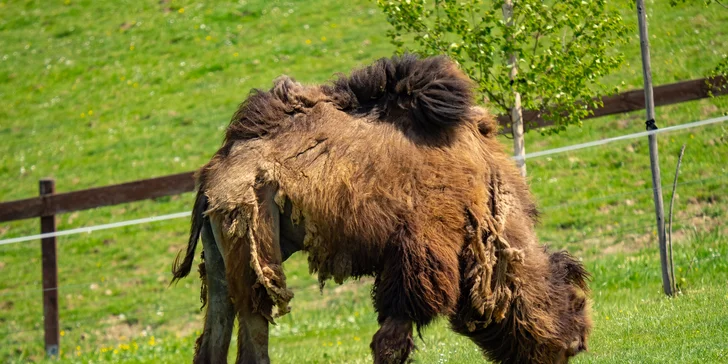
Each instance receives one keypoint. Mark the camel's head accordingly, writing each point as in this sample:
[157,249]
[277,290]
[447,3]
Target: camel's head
[570,280]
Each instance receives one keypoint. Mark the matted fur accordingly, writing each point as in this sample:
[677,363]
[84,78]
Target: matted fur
[391,172]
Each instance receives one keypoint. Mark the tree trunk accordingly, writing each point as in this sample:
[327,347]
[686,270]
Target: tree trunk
[519,143]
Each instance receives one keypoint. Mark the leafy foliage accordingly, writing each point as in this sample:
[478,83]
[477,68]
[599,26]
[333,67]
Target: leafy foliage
[563,48]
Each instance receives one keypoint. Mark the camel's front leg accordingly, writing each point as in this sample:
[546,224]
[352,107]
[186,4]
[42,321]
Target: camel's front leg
[213,344]
[393,342]
[413,287]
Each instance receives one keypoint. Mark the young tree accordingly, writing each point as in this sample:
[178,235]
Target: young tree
[544,55]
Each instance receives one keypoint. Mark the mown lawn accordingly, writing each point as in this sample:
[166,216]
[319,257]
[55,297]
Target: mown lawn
[99,92]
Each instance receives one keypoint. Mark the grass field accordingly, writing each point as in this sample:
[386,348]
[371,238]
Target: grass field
[99,92]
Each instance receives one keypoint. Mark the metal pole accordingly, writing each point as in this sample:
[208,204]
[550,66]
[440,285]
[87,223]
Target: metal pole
[50,276]
[654,156]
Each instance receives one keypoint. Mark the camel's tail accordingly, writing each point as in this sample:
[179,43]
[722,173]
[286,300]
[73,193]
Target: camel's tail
[432,94]
[181,269]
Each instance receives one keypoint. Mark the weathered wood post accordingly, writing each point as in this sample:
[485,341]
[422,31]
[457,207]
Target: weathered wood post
[50,275]
[654,156]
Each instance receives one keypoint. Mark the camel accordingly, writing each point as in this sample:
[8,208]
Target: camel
[391,172]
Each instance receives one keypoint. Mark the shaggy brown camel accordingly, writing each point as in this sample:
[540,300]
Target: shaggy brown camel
[394,173]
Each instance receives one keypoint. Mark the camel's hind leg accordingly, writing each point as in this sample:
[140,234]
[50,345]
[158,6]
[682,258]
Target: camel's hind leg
[213,344]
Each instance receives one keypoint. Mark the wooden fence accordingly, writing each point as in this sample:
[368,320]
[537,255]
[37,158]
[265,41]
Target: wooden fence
[49,204]
[672,93]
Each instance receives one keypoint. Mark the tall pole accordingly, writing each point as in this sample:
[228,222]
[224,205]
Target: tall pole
[654,156]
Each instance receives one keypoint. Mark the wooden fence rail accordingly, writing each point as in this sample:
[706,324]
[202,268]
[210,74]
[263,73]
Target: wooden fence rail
[673,93]
[97,197]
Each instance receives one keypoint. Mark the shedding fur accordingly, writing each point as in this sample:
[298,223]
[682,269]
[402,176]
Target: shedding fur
[493,276]
[390,172]
[267,277]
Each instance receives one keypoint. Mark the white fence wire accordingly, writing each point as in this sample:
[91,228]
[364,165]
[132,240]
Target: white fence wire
[90,229]
[623,137]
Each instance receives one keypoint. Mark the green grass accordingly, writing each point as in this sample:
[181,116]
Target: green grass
[634,322]
[94,93]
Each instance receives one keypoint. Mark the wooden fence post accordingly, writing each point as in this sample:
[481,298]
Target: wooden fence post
[50,275]
[654,156]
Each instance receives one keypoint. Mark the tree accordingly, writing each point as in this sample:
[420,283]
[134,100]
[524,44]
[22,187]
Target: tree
[544,55]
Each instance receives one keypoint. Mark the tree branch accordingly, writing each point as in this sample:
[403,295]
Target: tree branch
[535,47]
[669,229]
